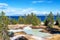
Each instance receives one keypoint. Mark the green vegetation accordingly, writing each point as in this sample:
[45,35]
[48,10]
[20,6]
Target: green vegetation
[3,26]
[13,21]
[35,20]
[28,19]
[49,19]
[32,19]
[58,20]
[21,20]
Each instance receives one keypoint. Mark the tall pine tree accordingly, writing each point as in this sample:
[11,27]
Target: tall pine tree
[58,20]
[21,20]
[32,19]
[3,27]
[49,19]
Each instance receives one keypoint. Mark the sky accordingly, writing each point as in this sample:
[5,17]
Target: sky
[24,7]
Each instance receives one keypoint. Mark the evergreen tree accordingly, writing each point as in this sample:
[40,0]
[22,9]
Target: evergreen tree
[58,20]
[13,21]
[28,19]
[32,19]
[46,22]
[49,19]
[21,20]
[35,20]
[3,27]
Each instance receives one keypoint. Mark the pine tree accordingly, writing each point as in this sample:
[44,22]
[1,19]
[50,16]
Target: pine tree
[28,19]
[32,19]
[49,19]
[58,20]
[21,20]
[3,27]
[35,20]
[13,21]
[46,21]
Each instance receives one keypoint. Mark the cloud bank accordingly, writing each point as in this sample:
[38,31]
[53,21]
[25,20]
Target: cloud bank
[10,11]
[41,1]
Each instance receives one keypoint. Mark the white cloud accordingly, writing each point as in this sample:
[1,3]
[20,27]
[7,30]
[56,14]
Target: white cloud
[3,5]
[37,1]
[17,12]
[41,1]
[10,11]
[20,11]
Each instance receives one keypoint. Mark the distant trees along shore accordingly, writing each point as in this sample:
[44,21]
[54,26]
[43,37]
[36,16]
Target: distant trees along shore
[31,19]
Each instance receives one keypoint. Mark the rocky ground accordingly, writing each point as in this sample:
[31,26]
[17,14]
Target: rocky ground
[31,37]
[53,37]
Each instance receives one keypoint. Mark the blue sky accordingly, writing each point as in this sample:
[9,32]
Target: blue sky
[22,7]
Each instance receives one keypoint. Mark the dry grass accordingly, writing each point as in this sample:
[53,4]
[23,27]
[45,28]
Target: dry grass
[57,27]
[55,37]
